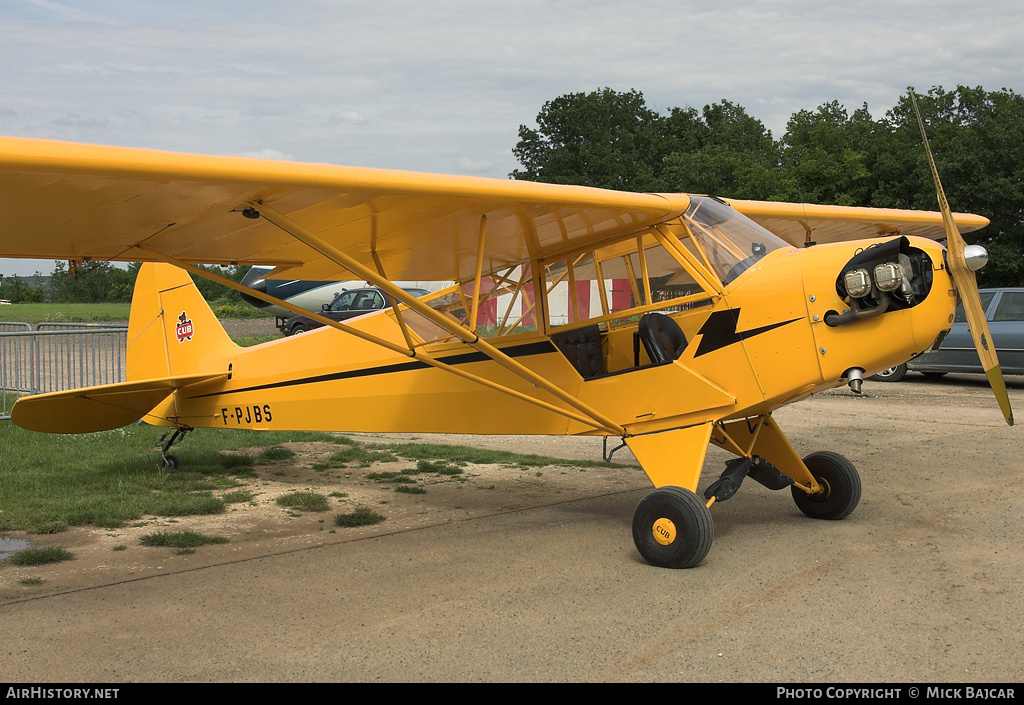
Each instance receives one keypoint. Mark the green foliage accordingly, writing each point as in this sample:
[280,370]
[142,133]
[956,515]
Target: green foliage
[218,294]
[41,556]
[604,138]
[410,489]
[736,157]
[17,291]
[110,478]
[105,282]
[438,467]
[181,539]
[307,501]
[362,516]
[275,453]
[829,156]
[239,310]
[94,282]
[452,454]
[37,312]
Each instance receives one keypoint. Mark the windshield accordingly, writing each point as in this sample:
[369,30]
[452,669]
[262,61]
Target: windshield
[731,240]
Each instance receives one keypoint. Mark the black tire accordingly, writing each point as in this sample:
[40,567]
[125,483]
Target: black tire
[298,328]
[683,525]
[171,462]
[841,483]
[893,374]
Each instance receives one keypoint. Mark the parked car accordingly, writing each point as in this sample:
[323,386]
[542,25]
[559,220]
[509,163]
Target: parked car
[348,304]
[1004,309]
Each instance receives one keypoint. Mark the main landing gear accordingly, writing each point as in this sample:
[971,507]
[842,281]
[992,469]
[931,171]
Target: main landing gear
[672,527]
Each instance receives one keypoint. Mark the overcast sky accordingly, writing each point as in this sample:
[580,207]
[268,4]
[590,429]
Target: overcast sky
[443,85]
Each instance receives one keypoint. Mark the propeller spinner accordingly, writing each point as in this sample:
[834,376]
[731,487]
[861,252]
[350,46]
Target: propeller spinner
[963,260]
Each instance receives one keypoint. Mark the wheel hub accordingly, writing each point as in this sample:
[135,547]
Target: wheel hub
[664,531]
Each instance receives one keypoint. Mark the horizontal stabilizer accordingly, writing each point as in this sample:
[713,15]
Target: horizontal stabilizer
[98,408]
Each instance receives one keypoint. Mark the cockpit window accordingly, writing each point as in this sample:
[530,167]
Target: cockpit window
[731,241]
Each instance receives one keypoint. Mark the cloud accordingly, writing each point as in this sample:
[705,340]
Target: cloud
[73,14]
[444,86]
[469,165]
[267,154]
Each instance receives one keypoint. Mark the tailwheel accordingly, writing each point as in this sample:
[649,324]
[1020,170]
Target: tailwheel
[840,484]
[169,460]
[672,528]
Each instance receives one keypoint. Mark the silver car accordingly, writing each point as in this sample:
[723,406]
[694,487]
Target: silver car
[1004,309]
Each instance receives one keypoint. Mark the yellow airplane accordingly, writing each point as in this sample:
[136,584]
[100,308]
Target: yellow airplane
[680,321]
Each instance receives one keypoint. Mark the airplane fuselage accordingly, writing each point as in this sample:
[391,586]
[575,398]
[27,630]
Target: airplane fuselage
[763,343]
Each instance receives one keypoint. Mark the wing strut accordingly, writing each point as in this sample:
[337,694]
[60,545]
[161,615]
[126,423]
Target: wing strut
[387,344]
[469,337]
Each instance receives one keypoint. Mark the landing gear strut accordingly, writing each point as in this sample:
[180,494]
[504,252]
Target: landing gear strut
[168,460]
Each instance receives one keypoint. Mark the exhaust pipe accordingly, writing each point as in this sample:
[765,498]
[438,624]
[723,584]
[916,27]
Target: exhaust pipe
[854,377]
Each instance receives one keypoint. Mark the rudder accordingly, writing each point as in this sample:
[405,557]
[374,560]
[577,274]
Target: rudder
[172,330]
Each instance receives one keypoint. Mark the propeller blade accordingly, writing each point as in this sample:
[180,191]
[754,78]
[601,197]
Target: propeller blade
[967,286]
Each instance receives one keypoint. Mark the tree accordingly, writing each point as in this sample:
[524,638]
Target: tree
[87,285]
[604,138]
[214,292]
[977,139]
[17,291]
[828,156]
[734,155]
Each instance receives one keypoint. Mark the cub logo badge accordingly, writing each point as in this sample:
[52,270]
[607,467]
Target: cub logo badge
[184,328]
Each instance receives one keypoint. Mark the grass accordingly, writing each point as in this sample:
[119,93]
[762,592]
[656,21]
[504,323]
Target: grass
[274,454]
[66,313]
[41,556]
[432,452]
[363,516]
[248,341]
[437,467]
[238,497]
[364,456]
[307,501]
[106,313]
[112,478]
[410,489]
[181,539]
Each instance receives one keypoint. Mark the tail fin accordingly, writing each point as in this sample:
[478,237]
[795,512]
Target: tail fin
[172,330]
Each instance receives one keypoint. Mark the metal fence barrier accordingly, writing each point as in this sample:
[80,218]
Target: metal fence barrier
[40,361]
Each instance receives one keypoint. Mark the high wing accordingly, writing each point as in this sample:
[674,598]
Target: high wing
[73,201]
[797,223]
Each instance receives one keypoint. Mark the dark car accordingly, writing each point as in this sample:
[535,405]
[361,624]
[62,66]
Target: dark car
[1004,309]
[347,304]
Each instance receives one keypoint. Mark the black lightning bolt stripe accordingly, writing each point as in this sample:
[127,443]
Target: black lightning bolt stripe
[720,331]
[461,359]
